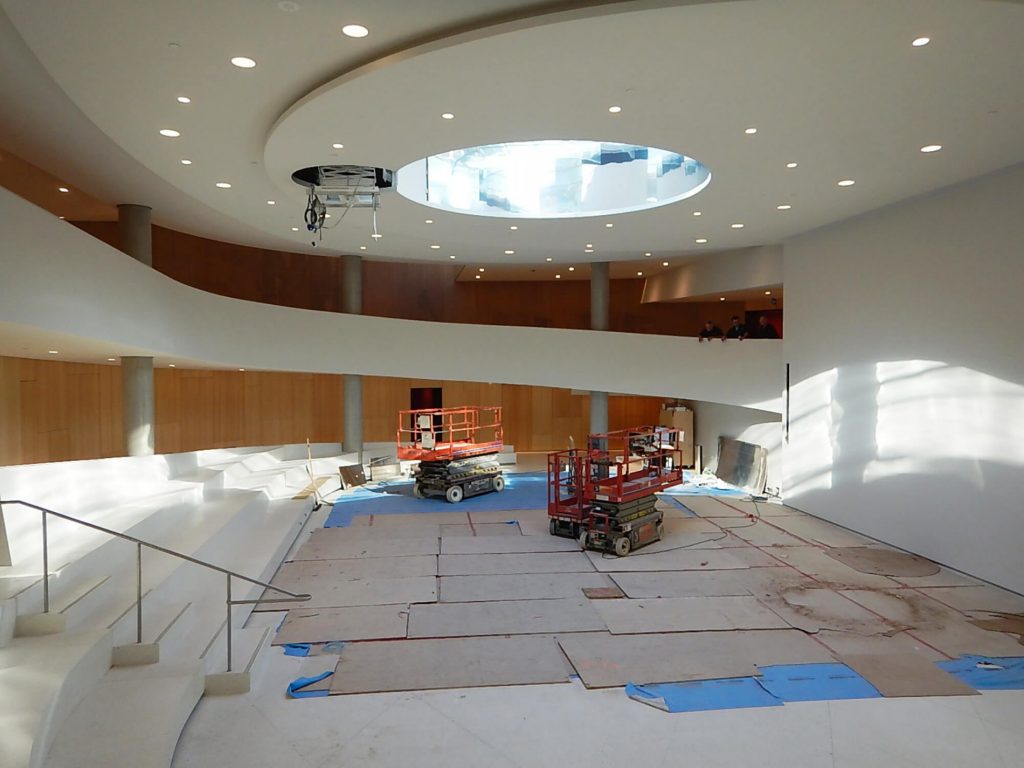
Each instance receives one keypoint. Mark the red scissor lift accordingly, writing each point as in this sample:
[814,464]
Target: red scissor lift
[457,449]
[603,495]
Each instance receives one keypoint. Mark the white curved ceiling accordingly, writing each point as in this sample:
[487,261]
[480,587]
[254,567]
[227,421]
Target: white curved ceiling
[835,86]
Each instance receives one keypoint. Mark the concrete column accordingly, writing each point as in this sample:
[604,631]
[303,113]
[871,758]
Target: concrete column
[599,322]
[352,304]
[134,227]
[137,395]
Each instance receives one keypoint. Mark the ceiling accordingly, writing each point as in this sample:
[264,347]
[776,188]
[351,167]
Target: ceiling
[834,86]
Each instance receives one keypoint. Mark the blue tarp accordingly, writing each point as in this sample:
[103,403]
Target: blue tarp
[988,673]
[526,490]
[296,649]
[296,687]
[698,695]
[815,682]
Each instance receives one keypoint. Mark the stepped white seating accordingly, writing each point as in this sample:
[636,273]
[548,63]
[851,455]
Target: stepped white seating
[61,702]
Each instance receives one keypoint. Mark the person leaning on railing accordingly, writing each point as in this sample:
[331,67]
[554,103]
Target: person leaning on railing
[711,331]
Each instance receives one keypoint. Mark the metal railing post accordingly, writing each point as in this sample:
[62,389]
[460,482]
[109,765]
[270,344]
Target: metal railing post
[138,592]
[46,569]
[229,622]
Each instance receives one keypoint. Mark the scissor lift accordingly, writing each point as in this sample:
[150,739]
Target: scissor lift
[456,448]
[604,495]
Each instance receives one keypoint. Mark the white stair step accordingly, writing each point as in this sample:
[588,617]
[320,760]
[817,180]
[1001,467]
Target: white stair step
[131,719]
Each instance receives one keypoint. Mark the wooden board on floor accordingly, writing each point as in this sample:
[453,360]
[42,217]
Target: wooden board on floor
[842,643]
[906,675]
[686,614]
[298,574]
[497,517]
[760,533]
[822,532]
[514,617]
[530,562]
[883,562]
[812,610]
[343,594]
[707,506]
[325,625]
[946,577]
[329,545]
[763,508]
[452,530]
[484,545]
[979,598]
[829,571]
[416,665]
[361,530]
[518,586]
[673,560]
[681,584]
[604,660]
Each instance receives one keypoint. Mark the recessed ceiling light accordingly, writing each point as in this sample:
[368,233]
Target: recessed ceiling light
[53,351]
[931,148]
[783,207]
[767,293]
[447,115]
[589,245]
[184,100]
[721,298]
[243,62]
[295,229]
[548,259]
[428,221]
[736,226]
[451,257]
[111,359]
[271,202]
[558,277]
[750,131]
[572,269]
[61,218]
[697,213]
[355,30]
[588,250]
[639,274]
[513,227]
[171,365]
[223,185]
[481,269]
[435,247]
[846,183]
[615,109]
[63,189]
[242,369]
[362,247]
[609,225]
[701,240]
[664,263]
[509,253]
[376,236]
[170,133]
[337,145]
[647,254]
[186,162]
[920,41]
[477,276]
[791,165]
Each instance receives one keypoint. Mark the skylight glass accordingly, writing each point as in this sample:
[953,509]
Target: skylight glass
[552,179]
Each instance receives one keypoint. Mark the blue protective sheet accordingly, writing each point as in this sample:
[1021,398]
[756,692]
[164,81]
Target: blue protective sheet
[815,682]
[528,490]
[295,687]
[988,673]
[296,649]
[699,695]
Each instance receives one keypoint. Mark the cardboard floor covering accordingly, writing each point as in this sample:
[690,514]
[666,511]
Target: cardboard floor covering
[465,662]
[813,610]
[906,675]
[674,560]
[518,586]
[297,574]
[337,544]
[686,614]
[482,545]
[505,617]
[325,625]
[529,562]
[604,660]
[343,594]
[883,562]
[452,530]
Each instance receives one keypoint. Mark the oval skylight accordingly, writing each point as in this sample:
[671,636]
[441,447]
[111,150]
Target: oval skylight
[552,179]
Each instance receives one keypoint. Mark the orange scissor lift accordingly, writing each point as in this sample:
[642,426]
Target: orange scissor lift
[457,449]
[604,494]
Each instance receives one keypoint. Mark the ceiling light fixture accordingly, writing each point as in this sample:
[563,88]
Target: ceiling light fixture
[53,351]
[589,245]
[572,269]
[170,133]
[664,263]
[721,298]
[271,202]
[354,30]
[184,100]
[481,269]
[337,145]
[362,247]
[428,221]
[376,236]
[509,253]
[736,226]
[447,115]
[701,240]
[171,365]
[750,131]
[61,218]
[111,359]
[452,258]
[477,276]
[588,250]
[558,277]
[639,274]
[791,165]
[647,254]
[928,148]
[243,62]
[63,189]
[223,185]
[435,247]
[186,162]
[609,225]
[921,41]
[697,213]
[615,109]
[548,259]
[783,207]
[242,369]
[767,293]
[845,183]
[295,229]
[513,227]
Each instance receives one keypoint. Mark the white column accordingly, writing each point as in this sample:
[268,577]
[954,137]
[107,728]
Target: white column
[137,396]
[599,322]
[352,304]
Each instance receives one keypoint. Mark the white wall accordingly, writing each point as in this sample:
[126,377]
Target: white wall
[904,332]
[57,279]
[718,273]
[714,420]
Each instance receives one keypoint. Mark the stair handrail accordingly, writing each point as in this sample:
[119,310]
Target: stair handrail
[293,597]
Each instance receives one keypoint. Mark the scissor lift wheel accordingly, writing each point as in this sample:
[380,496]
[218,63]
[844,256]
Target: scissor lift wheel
[499,484]
[454,494]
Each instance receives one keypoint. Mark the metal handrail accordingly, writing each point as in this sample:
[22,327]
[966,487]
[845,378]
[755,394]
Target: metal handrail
[139,544]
